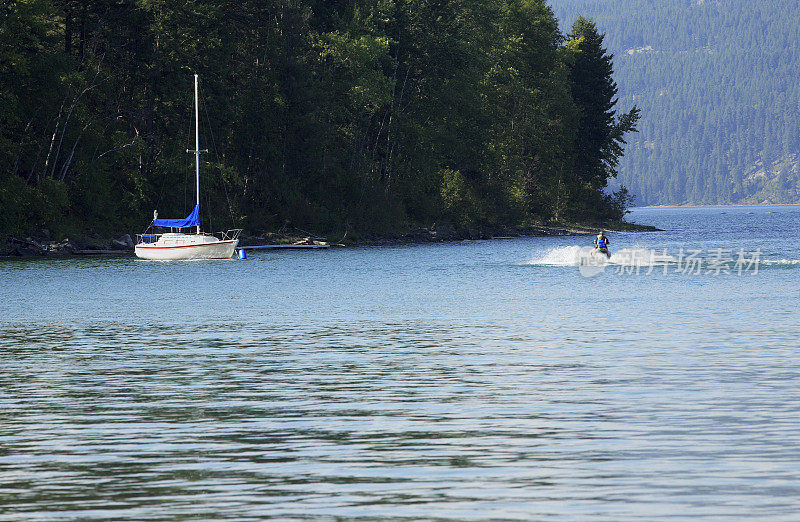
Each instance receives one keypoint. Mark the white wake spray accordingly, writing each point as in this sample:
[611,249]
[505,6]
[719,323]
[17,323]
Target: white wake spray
[582,255]
[781,262]
[562,256]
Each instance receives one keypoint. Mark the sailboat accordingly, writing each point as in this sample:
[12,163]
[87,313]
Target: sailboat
[177,244]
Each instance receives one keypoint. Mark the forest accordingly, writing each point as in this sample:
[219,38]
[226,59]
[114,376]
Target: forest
[329,116]
[717,85]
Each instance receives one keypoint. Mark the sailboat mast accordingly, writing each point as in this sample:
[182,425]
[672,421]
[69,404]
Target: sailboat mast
[197,143]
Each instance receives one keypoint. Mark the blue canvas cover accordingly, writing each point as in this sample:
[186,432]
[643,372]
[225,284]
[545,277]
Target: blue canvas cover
[192,220]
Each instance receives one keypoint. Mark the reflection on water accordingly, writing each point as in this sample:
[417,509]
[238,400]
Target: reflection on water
[451,381]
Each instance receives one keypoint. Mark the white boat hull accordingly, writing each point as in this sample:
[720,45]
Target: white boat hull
[212,250]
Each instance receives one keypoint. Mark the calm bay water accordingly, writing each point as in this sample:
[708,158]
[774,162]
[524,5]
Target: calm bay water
[468,380]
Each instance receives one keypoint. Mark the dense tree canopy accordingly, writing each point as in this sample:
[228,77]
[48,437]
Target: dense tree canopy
[364,115]
[717,83]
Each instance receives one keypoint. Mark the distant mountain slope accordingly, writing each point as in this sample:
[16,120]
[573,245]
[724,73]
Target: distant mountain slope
[718,83]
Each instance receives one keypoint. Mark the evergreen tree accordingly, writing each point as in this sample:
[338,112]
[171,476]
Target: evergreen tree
[600,133]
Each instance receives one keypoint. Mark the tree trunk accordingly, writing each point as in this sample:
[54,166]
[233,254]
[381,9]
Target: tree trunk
[52,142]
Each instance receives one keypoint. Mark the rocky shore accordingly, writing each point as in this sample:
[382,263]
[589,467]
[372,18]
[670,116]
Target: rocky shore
[43,246]
[442,233]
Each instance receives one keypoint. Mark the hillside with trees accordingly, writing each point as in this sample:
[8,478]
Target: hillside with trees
[717,85]
[330,116]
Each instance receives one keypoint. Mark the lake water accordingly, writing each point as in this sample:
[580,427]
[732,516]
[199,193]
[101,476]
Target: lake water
[468,380]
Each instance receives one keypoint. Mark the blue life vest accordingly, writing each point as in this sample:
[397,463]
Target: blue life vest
[601,242]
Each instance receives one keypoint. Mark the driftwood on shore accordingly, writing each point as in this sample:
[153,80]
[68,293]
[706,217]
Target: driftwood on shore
[103,252]
[34,247]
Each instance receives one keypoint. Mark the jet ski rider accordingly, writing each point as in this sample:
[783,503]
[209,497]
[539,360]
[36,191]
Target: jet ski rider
[601,243]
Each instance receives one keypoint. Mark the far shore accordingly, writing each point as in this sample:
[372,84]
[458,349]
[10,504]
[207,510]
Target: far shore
[721,206]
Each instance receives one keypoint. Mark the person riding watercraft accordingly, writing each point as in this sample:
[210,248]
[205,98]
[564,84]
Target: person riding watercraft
[601,243]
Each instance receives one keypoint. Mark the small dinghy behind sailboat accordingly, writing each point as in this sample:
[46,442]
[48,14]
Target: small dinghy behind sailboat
[177,245]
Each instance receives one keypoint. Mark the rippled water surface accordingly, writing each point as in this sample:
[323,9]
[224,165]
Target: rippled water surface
[467,380]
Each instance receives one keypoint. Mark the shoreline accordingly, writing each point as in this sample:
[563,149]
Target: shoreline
[446,233]
[31,247]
